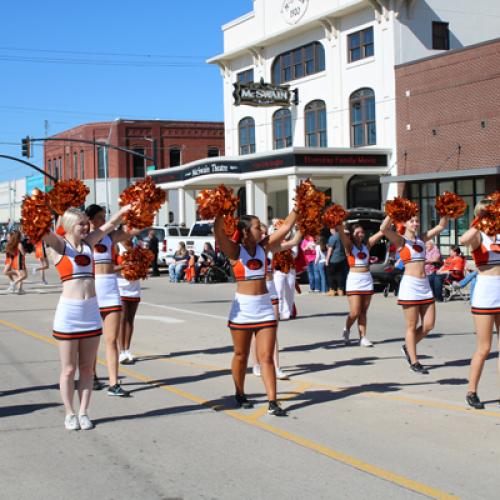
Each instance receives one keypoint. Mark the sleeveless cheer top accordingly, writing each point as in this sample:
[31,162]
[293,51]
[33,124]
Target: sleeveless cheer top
[251,268]
[413,251]
[104,251]
[75,265]
[488,253]
[359,257]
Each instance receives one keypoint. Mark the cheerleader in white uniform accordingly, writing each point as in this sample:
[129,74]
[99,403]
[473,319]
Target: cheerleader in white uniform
[130,294]
[77,322]
[485,301]
[415,294]
[108,293]
[252,312]
[359,285]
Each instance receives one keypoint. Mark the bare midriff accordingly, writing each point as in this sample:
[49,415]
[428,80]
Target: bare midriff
[415,269]
[252,287]
[489,270]
[358,269]
[107,268]
[79,289]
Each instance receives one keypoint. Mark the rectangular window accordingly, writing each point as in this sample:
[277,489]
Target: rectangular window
[138,164]
[49,167]
[57,168]
[360,45]
[213,152]
[82,165]
[75,165]
[175,157]
[102,162]
[245,76]
[440,36]
[286,67]
[298,65]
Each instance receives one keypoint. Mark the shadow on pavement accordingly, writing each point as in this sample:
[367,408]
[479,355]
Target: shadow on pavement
[211,350]
[458,362]
[321,315]
[16,410]
[22,390]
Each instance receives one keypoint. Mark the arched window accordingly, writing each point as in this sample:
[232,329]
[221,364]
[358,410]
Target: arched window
[315,124]
[299,62]
[246,130]
[282,128]
[363,128]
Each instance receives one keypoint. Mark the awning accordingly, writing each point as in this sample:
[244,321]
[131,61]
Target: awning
[429,176]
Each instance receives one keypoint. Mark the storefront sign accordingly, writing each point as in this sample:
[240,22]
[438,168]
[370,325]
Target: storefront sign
[273,162]
[293,10]
[262,94]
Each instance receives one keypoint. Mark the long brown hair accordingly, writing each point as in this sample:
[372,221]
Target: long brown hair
[13,243]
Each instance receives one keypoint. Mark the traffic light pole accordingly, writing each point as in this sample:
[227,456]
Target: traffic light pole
[38,169]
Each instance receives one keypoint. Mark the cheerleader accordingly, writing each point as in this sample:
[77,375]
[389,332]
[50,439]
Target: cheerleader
[108,293]
[485,303]
[130,294]
[15,263]
[359,284]
[415,294]
[77,322]
[252,311]
[41,255]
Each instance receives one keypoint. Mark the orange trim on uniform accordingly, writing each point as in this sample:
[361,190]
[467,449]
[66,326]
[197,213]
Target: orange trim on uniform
[485,310]
[275,302]
[110,309]
[251,326]
[77,335]
[415,302]
[360,292]
[130,299]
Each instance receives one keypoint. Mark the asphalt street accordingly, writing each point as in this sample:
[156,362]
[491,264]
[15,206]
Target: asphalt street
[360,424]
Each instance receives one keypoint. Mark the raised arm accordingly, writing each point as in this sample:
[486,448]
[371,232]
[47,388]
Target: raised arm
[124,234]
[281,246]
[471,238]
[395,238]
[115,220]
[280,234]
[375,238]
[346,241]
[55,242]
[443,223]
[228,247]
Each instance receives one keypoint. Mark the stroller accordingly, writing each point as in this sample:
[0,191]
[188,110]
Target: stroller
[220,271]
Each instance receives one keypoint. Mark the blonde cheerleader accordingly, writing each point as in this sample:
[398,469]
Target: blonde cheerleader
[485,301]
[415,294]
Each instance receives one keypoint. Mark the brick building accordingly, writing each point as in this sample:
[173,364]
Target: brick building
[108,172]
[448,128]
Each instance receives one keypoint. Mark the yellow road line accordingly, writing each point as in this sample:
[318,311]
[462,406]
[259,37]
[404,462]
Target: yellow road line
[294,438]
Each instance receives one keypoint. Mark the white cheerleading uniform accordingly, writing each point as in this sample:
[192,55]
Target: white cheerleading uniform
[271,287]
[251,312]
[486,298]
[130,291]
[106,285]
[76,319]
[285,288]
[359,283]
[414,291]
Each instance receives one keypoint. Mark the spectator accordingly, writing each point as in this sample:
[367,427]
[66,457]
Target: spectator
[470,278]
[452,268]
[432,257]
[320,266]
[206,260]
[153,245]
[190,273]
[308,247]
[336,264]
[181,260]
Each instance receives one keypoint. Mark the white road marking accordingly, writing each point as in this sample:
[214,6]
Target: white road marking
[161,319]
[187,311]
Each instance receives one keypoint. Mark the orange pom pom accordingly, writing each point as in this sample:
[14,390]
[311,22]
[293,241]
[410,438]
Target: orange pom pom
[36,216]
[450,205]
[310,203]
[494,196]
[488,221]
[146,199]
[67,194]
[284,261]
[230,225]
[400,209]
[217,202]
[135,263]
[334,215]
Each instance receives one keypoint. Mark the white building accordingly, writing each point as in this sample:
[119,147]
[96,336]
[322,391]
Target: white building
[11,198]
[338,59]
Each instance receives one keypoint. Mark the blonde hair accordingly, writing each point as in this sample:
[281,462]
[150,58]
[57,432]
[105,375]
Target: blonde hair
[71,217]
[481,205]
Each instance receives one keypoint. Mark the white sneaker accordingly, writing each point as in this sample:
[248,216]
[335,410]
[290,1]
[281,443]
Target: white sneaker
[281,375]
[256,370]
[33,271]
[85,422]
[130,357]
[45,282]
[346,334]
[71,423]
[365,342]
[10,288]
[123,357]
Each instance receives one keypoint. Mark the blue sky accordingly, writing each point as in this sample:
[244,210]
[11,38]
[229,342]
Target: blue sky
[71,62]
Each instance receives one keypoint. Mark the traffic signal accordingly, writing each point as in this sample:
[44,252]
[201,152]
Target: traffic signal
[26,146]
